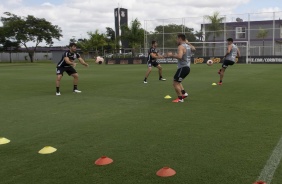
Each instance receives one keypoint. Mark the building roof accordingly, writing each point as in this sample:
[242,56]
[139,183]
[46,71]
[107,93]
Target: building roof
[257,22]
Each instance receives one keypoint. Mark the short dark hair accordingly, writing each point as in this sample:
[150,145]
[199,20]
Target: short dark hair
[72,44]
[182,36]
[230,39]
[153,42]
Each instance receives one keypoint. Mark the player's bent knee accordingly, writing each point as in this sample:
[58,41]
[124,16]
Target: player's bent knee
[75,75]
[59,77]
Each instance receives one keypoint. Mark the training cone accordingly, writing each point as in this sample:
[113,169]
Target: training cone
[47,150]
[167,97]
[4,140]
[260,182]
[165,172]
[103,161]
[214,84]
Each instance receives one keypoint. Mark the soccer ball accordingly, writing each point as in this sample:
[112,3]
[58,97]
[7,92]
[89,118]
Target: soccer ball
[99,60]
[209,62]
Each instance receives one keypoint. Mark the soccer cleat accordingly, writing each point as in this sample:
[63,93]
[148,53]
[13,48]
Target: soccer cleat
[76,91]
[145,82]
[178,100]
[162,79]
[58,94]
[185,95]
[220,83]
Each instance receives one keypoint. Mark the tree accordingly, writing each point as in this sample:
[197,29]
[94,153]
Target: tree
[262,34]
[215,27]
[134,34]
[7,45]
[73,40]
[199,35]
[83,44]
[111,39]
[111,34]
[30,29]
[96,40]
[166,35]
[10,46]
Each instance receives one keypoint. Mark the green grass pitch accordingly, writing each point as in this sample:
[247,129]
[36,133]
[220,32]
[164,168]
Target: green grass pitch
[220,134]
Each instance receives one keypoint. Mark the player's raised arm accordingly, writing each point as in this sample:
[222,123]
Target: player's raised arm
[238,52]
[179,55]
[68,61]
[192,46]
[82,62]
[229,48]
[156,56]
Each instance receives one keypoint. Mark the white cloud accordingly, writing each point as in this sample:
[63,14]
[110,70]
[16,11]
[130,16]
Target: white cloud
[47,5]
[14,2]
[77,17]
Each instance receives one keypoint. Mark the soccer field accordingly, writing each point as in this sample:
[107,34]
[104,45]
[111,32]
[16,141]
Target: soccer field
[219,135]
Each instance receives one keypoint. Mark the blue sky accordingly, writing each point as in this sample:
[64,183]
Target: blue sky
[255,5]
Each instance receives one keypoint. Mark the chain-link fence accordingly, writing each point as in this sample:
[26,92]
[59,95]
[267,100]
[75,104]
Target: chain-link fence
[261,31]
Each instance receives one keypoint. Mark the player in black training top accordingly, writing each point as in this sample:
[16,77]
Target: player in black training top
[67,65]
[152,61]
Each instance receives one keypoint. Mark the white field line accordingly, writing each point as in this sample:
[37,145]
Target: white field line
[269,169]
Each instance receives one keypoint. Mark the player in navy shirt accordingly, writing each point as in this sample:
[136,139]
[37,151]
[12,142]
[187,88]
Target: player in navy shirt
[67,65]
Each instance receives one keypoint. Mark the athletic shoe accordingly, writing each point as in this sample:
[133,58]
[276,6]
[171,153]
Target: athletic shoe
[58,94]
[219,71]
[162,79]
[76,91]
[145,82]
[178,100]
[220,83]
[185,95]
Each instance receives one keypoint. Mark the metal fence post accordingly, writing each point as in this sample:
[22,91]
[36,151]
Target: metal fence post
[273,37]
[224,36]
[163,36]
[249,38]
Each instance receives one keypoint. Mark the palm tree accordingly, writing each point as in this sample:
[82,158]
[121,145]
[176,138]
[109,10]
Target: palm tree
[215,27]
[97,40]
[133,34]
[262,34]
[199,35]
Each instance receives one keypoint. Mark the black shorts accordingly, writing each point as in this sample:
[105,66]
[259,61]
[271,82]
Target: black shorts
[181,73]
[69,70]
[153,63]
[226,63]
